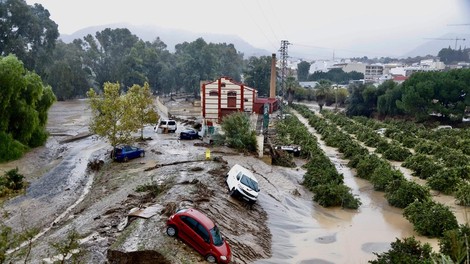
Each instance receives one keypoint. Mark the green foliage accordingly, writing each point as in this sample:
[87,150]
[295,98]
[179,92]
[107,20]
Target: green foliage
[463,193]
[8,240]
[454,243]
[28,32]
[24,103]
[335,195]
[11,182]
[409,250]
[383,175]
[367,166]
[430,218]
[449,55]
[14,180]
[69,247]
[400,193]
[422,165]
[141,100]
[113,115]
[10,149]
[258,74]
[445,180]
[303,69]
[336,75]
[362,100]
[238,132]
[444,93]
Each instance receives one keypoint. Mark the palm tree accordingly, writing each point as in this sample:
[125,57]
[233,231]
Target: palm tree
[321,91]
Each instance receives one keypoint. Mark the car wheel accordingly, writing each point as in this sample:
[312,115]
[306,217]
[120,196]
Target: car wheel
[171,231]
[126,159]
[232,192]
[211,258]
[142,154]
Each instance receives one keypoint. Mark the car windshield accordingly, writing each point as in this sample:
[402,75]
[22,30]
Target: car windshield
[216,237]
[249,182]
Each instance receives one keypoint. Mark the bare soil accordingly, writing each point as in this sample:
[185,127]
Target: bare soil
[64,194]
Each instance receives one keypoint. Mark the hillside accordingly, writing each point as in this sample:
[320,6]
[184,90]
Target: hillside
[171,37]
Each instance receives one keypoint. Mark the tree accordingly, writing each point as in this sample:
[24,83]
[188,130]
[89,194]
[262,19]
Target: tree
[69,247]
[291,85]
[409,251]
[362,100]
[106,54]
[24,103]
[321,92]
[27,32]
[303,69]
[112,115]
[444,94]
[238,132]
[430,218]
[66,73]
[258,74]
[195,62]
[141,100]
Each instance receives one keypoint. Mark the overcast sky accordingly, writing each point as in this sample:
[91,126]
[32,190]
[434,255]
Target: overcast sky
[366,27]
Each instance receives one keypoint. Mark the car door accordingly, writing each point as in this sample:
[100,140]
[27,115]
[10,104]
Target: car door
[192,234]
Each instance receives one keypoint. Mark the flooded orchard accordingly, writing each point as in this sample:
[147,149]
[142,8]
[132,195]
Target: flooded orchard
[284,226]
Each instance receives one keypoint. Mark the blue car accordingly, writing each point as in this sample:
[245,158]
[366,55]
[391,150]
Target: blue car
[125,153]
[189,134]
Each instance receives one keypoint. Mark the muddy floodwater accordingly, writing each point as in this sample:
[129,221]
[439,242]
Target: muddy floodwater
[61,192]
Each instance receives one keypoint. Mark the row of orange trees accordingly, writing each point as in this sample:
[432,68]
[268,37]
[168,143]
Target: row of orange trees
[416,200]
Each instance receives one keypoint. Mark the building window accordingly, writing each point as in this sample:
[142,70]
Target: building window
[213,93]
[231,99]
[246,100]
[222,84]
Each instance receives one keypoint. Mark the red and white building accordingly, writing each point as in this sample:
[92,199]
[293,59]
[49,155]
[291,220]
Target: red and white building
[225,96]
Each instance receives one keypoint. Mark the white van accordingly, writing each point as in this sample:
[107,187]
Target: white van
[168,125]
[241,182]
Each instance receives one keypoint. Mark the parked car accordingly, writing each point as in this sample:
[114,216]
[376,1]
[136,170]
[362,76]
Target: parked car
[189,134]
[241,182]
[125,153]
[294,149]
[198,231]
[169,125]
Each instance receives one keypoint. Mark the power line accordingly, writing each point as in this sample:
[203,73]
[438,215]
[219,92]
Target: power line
[257,25]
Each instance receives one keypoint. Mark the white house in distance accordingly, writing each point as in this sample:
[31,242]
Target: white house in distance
[225,96]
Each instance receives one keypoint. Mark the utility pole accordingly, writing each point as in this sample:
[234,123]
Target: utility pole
[283,55]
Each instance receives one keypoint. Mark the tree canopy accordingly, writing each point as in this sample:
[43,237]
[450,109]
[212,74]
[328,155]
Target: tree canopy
[24,102]
[116,116]
[27,32]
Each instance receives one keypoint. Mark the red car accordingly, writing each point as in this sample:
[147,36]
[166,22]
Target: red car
[198,231]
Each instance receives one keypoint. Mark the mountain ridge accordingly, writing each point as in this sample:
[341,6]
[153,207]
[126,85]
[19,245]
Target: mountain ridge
[171,37]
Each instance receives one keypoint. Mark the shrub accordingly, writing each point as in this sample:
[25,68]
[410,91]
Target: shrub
[335,195]
[238,133]
[14,180]
[454,243]
[401,193]
[422,165]
[409,251]
[383,175]
[463,194]
[445,180]
[430,218]
[10,149]
[367,165]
